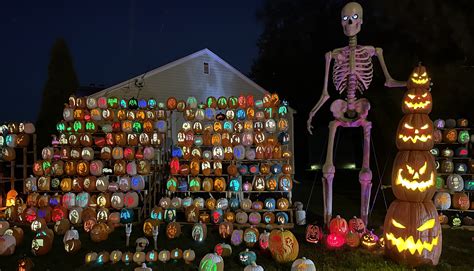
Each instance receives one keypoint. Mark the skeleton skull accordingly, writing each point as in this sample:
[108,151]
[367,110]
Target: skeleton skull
[351,18]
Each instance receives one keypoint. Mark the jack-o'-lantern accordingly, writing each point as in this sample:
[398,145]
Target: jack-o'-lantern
[419,78]
[413,176]
[369,240]
[229,216]
[42,242]
[173,230]
[241,217]
[283,246]
[314,233]
[100,232]
[356,225]
[461,201]
[415,132]
[335,241]
[17,233]
[417,100]
[412,233]
[226,229]
[220,184]
[338,225]
[237,237]
[199,232]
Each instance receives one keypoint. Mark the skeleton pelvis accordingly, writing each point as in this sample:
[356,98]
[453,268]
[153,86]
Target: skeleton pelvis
[341,111]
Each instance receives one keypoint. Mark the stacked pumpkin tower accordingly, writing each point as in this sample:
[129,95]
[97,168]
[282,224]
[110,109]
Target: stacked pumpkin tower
[98,172]
[412,231]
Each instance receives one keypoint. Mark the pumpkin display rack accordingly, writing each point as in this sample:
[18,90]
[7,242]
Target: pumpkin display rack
[105,160]
[455,169]
[17,152]
[232,150]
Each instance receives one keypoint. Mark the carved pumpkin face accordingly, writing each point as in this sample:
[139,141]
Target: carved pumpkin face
[417,100]
[419,78]
[415,132]
[412,233]
[413,176]
[313,233]
[369,240]
[357,226]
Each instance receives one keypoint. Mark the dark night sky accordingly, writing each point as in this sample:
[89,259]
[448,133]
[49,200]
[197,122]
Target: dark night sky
[110,41]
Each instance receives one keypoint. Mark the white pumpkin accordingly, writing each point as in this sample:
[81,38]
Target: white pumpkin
[143,268]
[7,245]
[71,234]
[303,264]
[253,267]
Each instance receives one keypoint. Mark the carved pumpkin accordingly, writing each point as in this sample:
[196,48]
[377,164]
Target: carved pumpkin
[211,262]
[314,233]
[356,225]
[417,100]
[338,225]
[419,78]
[412,233]
[226,229]
[415,132]
[283,246]
[173,230]
[352,239]
[303,264]
[442,200]
[413,176]
[461,201]
[369,240]
[42,242]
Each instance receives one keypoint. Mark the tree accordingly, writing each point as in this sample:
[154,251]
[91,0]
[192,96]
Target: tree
[297,33]
[61,83]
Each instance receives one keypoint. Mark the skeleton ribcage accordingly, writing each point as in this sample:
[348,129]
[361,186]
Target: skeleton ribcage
[357,79]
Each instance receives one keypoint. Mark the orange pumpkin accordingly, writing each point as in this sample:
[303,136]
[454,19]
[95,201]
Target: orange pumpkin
[415,132]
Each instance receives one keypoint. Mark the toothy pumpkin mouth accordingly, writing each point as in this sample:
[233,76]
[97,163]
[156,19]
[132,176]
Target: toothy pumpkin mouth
[414,139]
[420,81]
[410,244]
[419,105]
[414,185]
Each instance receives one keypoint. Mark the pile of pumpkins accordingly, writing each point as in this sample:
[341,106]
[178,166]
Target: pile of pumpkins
[140,257]
[231,210]
[13,135]
[352,233]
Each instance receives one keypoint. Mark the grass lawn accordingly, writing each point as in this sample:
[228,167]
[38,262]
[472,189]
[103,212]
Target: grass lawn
[458,247]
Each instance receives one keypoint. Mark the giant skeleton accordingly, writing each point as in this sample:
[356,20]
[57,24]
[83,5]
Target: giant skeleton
[352,73]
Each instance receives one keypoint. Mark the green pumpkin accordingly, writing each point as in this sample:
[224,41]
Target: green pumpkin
[247,257]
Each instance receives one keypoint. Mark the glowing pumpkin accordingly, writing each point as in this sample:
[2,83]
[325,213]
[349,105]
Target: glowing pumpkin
[413,176]
[412,233]
[419,78]
[415,132]
[283,246]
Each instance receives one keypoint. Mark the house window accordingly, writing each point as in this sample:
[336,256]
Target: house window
[206,68]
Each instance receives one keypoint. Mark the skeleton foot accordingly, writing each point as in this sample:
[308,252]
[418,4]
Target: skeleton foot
[365,179]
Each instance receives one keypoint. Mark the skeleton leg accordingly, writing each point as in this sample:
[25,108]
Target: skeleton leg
[328,171]
[365,174]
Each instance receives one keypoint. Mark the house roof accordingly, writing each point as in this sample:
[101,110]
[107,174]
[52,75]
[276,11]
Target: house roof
[178,62]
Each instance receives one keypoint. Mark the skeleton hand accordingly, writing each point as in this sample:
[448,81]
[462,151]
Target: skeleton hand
[392,83]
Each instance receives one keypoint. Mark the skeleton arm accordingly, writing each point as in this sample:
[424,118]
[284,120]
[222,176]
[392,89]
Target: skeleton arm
[389,81]
[324,95]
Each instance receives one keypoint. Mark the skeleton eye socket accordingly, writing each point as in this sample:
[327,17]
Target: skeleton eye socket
[411,96]
[345,18]
[424,127]
[427,225]
[424,74]
[406,125]
[355,16]
[398,225]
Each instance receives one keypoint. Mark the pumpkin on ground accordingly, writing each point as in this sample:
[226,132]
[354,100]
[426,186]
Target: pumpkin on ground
[283,246]
[303,264]
[412,233]
[211,262]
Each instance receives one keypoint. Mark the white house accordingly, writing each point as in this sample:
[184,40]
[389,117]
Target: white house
[201,74]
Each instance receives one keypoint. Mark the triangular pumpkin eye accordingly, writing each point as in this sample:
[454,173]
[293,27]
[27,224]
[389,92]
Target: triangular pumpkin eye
[415,74]
[410,169]
[427,225]
[424,74]
[423,168]
[397,224]
[424,95]
[408,126]
[424,127]
[411,96]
